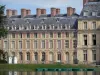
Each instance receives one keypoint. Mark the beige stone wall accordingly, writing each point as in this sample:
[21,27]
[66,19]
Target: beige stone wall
[89,47]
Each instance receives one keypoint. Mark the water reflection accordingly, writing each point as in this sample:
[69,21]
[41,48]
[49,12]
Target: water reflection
[47,73]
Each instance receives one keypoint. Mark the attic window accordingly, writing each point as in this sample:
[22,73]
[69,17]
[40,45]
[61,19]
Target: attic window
[85,13]
[57,20]
[42,21]
[94,13]
[12,21]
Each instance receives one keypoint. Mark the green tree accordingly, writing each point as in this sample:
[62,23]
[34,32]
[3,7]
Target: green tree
[3,31]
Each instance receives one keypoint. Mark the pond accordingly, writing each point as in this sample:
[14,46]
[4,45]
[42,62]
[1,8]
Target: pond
[48,73]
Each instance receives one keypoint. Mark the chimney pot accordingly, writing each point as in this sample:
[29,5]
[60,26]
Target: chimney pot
[58,11]
[14,12]
[43,11]
[23,12]
[38,12]
[70,11]
[9,12]
[28,12]
[53,11]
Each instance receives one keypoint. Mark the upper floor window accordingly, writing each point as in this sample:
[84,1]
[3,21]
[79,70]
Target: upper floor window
[94,13]
[85,40]
[85,13]
[13,35]
[67,34]
[35,35]
[51,35]
[94,25]
[28,35]
[85,25]
[59,35]
[43,35]
[20,35]
[94,39]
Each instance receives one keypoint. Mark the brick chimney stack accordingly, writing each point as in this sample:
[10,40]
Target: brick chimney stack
[38,11]
[70,11]
[43,11]
[9,12]
[23,12]
[53,11]
[58,11]
[28,12]
[84,1]
[14,12]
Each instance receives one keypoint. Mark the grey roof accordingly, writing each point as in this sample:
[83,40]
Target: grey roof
[89,8]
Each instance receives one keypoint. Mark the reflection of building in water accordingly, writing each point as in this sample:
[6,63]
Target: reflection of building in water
[52,73]
[52,38]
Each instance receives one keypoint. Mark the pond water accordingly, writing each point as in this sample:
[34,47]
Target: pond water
[48,73]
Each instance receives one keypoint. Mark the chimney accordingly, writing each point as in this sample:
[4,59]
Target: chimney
[70,11]
[57,11]
[9,12]
[28,12]
[38,12]
[53,11]
[23,12]
[84,1]
[14,12]
[43,11]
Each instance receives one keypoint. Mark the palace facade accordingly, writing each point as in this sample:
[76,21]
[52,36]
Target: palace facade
[53,38]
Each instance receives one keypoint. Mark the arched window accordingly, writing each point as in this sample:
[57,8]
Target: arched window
[43,56]
[59,57]
[28,56]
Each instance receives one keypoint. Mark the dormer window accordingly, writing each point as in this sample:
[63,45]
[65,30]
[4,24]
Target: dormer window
[43,26]
[10,28]
[55,27]
[42,21]
[48,27]
[17,28]
[94,13]
[12,21]
[85,13]
[40,27]
[63,26]
[27,21]
[57,20]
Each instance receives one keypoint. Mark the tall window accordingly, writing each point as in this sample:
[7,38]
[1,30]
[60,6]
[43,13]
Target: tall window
[6,44]
[28,35]
[51,35]
[51,44]
[67,43]
[74,34]
[94,39]
[67,34]
[43,35]
[59,35]
[20,44]
[59,44]
[94,55]
[13,44]
[85,40]
[36,56]
[20,35]
[35,44]
[43,56]
[85,55]
[85,25]
[94,25]
[28,56]
[43,44]
[74,43]
[13,35]
[27,44]
[59,56]
[21,56]
[35,35]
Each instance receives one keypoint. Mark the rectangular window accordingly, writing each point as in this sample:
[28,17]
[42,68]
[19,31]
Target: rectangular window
[85,25]
[59,44]
[35,44]
[59,35]
[74,34]
[43,35]
[20,35]
[51,44]
[51,35]
[5,44]
[94,25]
[74,43]
[94,55]
[67,43]
[13,35]
[35,35]
[28,44]
[20,44]
[85,40]
[28,35]
[13,44]
[85,55]
[67,34]
[43,44]
[94,39]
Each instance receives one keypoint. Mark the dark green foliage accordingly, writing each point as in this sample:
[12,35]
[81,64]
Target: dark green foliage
[3,61]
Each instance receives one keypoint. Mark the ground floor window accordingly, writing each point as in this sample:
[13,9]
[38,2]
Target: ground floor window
[59,56]
[43,56]
[28,56]
[85,55]
[36,56]
[94,55]
[21,56]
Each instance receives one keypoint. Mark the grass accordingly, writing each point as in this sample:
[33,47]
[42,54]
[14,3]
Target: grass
[32,67]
